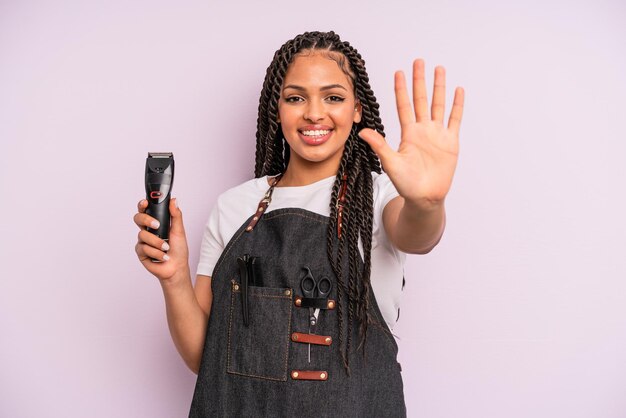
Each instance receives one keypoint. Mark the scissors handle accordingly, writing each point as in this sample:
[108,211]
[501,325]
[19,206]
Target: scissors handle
[308,284]
[324,286]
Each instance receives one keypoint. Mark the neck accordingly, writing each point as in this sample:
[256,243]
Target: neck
[303,173]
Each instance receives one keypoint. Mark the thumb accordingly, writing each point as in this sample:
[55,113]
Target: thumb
[176,215]
[377,143]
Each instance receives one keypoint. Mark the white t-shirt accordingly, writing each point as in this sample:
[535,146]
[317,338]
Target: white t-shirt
[236,205]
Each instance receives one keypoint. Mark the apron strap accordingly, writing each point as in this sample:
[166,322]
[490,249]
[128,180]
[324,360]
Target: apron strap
[263,204]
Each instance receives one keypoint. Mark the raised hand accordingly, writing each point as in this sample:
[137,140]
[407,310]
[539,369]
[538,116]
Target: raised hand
[423,166]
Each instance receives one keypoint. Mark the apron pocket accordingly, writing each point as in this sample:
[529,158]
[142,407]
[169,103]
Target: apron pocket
[260,349]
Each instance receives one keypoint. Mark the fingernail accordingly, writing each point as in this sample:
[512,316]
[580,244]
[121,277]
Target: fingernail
[165,246]
[166,257]
[154,224]
[176,202]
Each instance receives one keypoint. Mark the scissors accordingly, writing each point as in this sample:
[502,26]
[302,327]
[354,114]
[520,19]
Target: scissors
[312,288]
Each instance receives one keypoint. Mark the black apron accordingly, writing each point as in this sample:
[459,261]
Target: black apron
[262,368]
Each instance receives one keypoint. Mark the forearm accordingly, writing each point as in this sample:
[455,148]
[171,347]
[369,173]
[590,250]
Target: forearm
[186,319]
[418,227]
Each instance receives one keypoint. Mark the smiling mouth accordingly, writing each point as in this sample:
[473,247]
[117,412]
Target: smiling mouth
[314,136]
[315,133]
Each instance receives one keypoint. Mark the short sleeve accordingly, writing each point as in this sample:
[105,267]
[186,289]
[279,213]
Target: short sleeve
[212,244]
[384,192]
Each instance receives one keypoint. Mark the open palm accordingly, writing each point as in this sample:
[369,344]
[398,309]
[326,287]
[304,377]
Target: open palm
[423,166]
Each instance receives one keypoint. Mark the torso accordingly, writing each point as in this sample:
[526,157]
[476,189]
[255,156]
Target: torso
[256,367]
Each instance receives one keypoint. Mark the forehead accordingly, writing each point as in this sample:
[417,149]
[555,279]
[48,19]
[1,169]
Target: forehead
[315,69]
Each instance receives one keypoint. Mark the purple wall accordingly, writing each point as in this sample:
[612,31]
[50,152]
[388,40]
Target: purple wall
[520,311]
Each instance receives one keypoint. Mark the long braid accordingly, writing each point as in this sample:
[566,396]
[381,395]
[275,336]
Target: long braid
[351,218]
[358,162]
[337,265]
[365,200]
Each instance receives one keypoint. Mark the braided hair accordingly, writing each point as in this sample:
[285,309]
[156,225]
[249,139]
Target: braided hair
[357,164]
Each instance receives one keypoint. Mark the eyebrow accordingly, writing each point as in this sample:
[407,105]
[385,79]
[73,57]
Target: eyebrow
[329,87]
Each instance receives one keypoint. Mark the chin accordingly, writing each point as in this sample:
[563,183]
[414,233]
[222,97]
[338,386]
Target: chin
[317,154]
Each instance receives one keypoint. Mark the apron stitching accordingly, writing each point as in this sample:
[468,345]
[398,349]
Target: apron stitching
[263,295]
[269,216]
[278,379]
[230,327]
[288,334]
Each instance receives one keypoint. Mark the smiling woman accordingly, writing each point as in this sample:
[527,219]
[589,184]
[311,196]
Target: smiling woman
[301,268]
[317,111]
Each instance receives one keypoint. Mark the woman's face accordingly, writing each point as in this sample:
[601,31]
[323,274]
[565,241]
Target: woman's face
[316,110]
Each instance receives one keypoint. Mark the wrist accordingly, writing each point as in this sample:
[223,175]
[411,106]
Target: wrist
[179,279]
[423,206]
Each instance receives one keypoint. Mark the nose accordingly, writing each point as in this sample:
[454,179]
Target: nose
[314,111]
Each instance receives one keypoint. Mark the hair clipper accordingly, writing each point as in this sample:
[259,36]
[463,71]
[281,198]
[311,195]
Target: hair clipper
[159,180]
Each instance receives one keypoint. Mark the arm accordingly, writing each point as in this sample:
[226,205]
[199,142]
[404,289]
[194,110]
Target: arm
[413,229]
[187,309]
[423,166]
[187,316]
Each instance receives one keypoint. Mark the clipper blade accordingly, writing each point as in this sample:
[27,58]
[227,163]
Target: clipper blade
[160,155]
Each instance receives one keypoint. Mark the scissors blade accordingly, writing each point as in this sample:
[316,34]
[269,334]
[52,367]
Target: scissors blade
[316,314]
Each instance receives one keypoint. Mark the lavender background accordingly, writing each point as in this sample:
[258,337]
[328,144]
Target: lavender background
[519,312]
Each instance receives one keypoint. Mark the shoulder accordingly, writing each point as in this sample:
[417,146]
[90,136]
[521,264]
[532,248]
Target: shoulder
[249,190]
[232,208]
[236,204]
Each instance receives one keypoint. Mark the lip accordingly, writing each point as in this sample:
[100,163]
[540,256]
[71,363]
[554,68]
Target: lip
[315,128]
[317,140]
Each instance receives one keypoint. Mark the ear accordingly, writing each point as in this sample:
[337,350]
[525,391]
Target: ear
[358,112]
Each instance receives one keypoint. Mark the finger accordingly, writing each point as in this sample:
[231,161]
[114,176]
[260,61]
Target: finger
[378,144]
[142,205]
[454,123]
[152,240]
[420,100]
[177,226]
[403,104]
[145,252]
[438,106]
[145,221]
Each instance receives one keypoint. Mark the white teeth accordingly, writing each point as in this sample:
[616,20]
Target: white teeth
[315,132]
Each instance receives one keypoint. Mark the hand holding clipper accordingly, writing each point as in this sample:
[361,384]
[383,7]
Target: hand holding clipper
[159,180]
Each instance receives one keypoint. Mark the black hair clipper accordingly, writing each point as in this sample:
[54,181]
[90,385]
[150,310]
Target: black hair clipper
[159,180]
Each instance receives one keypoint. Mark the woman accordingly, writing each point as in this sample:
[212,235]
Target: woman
[283,293]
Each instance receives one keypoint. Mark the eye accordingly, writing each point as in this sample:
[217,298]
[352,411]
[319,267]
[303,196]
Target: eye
[336,99]
[293,99]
